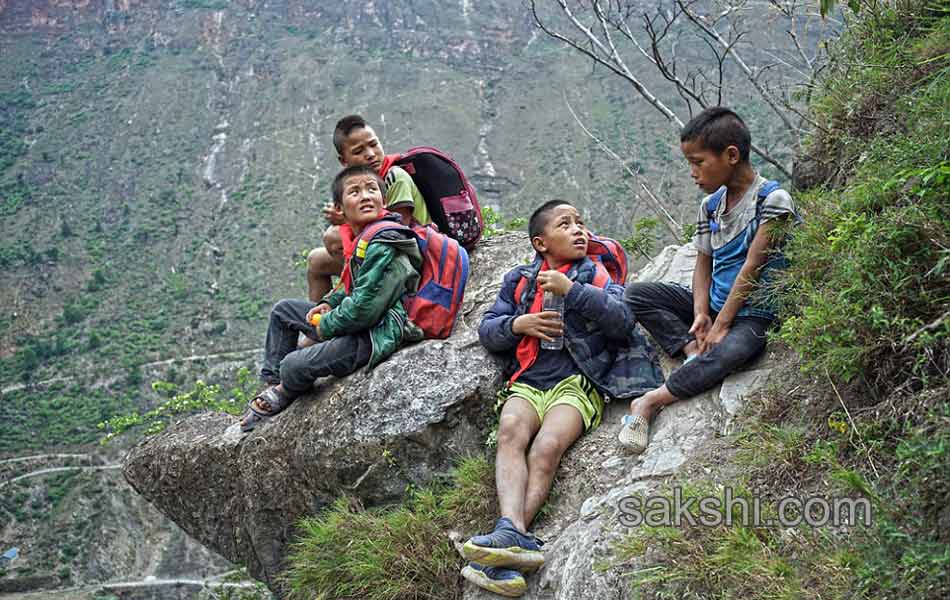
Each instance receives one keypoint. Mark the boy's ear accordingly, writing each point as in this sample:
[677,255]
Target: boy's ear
[339,157]
[538,243]
[732,155]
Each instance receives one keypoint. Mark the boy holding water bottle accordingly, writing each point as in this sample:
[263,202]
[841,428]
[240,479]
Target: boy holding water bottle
[569,337]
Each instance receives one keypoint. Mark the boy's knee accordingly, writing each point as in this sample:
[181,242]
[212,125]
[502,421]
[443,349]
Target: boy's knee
[317,260]
[545,452]
[744,345]
[636,293]
[280,308]
[333,242]
[512,431]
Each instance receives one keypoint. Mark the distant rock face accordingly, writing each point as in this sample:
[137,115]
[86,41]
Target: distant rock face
[595,475]
[369,435]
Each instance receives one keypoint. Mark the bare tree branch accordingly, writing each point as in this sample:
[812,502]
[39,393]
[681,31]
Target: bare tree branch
[619,67]
[671,224]
[612,16]
[701,22]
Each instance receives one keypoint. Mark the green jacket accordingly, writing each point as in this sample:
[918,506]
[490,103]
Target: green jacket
[389,270]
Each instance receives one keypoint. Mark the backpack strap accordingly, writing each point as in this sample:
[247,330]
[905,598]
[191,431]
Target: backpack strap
[602,277]
[369,233]
[764,190]
[712,204]
[522,289]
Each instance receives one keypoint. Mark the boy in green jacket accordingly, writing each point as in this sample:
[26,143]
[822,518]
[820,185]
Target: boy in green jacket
[360,323]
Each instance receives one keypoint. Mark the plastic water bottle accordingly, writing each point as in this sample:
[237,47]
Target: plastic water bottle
[555,303]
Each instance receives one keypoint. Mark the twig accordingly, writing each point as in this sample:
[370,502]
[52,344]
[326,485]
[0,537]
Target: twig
[672,225]
[929,327]
[700,22]
[620,68]
[854,428]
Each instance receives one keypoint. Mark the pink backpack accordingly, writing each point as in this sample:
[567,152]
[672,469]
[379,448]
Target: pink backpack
[450,198]
[434,306]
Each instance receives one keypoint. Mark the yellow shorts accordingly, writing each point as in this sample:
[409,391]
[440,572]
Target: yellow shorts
[576,391]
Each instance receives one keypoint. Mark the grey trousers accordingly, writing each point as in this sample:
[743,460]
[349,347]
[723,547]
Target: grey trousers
[298,369]
[666,311]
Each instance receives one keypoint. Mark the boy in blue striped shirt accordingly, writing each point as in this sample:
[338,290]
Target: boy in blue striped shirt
[720,325]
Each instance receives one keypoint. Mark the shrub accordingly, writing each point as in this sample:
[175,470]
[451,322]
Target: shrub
[202,397]
[400,552]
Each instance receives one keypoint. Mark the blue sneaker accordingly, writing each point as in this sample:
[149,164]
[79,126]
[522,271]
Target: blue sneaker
[506,582]
[505,547]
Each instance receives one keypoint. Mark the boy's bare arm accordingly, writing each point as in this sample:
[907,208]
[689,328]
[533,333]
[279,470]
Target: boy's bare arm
[405,211]
[702,278]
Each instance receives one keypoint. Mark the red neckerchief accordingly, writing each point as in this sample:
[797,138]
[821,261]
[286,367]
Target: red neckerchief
[529,347]
[349,238]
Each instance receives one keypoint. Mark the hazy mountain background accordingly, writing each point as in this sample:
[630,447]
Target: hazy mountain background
[162,165]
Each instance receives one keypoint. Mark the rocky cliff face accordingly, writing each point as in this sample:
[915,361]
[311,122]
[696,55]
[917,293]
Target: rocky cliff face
[370,435]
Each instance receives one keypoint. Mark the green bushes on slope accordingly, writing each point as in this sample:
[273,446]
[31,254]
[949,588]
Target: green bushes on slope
[868,292]
[400,552]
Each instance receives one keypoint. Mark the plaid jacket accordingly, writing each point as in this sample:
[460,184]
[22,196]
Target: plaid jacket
[599,331]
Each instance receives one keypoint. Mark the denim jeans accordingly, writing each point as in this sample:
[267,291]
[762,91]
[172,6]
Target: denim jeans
[666,311]
[298,369]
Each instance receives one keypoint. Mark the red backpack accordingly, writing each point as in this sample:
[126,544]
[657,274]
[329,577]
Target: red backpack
[611,254]
[435,305]
[450,198]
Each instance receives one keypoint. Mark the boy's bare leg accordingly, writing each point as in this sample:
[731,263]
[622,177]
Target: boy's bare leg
[647,404]
[562,426]
[518,423]
[321,266]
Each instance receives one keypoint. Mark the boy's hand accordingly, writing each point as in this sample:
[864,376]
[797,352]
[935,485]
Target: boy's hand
[700,329]
[320,309]
[555,281]
[715,335]
[540,325]
[332,214]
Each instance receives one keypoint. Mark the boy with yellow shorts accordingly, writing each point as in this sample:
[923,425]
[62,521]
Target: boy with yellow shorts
[564,363]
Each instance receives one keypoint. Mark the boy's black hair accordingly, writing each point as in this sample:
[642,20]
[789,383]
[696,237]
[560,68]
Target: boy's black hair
[717,128]
[352,171]
[539,218]
[343,128]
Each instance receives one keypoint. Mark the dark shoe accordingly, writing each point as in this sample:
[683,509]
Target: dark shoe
[505,547]
[506,582]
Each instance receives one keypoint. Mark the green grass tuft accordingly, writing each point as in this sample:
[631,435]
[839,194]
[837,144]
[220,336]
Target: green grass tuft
[392,553]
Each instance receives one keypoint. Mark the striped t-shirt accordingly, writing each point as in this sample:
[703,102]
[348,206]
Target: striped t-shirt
[729,244]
